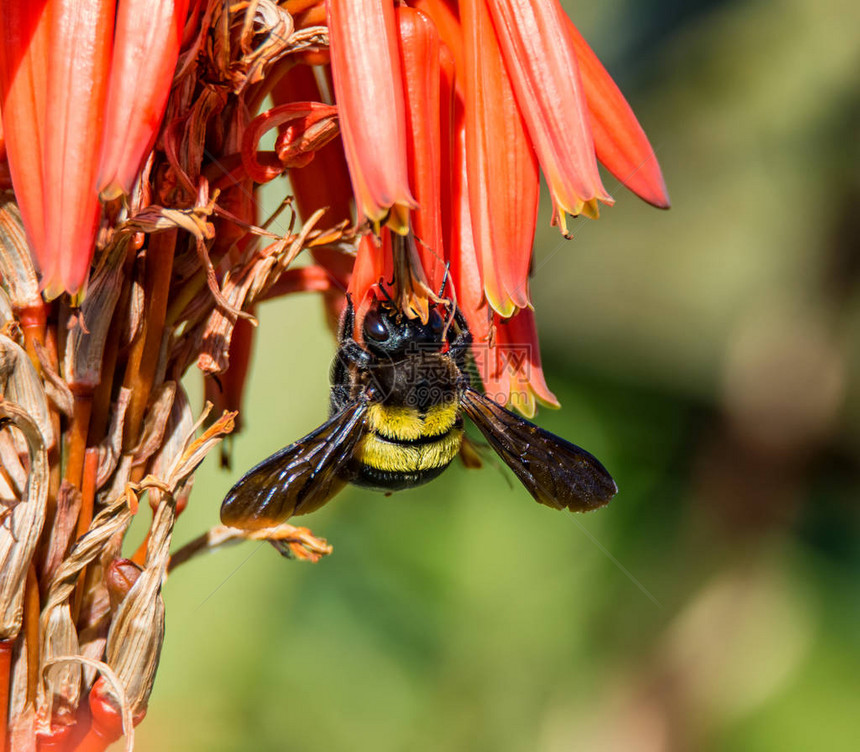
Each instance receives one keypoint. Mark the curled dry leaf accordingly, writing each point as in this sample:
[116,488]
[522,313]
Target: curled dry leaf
[16,265]
[20,383]
[20,530]
[59,690]
[244,288]
[137,629]
[110,448]
[56,388]
[7,315]
[85,344]
[155,423]
[299,542]
[180,426]
[62,529]
[274,26]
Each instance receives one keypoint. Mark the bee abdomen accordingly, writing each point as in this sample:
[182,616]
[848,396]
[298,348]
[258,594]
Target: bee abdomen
[400,453]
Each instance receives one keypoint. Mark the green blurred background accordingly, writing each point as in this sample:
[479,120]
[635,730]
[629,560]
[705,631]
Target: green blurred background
[706,355]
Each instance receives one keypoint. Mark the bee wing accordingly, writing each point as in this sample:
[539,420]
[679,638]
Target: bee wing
[299,478]
[556,472]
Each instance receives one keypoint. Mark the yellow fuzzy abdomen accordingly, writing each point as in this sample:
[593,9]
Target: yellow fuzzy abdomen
[400,423]
[394,457]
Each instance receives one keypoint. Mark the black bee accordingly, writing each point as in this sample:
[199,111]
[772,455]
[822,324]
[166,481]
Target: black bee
[397,406]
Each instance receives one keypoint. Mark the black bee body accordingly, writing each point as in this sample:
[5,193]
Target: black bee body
[413,392]
[396,421]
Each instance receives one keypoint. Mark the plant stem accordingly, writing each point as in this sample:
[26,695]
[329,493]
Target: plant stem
[159,268]
[5,671]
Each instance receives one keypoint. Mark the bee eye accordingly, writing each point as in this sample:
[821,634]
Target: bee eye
[374,328]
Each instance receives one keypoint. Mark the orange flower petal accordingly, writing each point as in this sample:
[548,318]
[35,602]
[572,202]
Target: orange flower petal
[369,94]
[306,126]
[419,58]
[146,48]
[24,44]
[2,139]
[518,356]
[79,56]
[619,141]
[503,173]
[370,263]
[465,268]
[324,182]
[444,17]
[56,54]
[540,59]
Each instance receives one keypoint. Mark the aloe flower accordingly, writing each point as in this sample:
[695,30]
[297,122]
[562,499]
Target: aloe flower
[509,87]
[134,249]
[148,35]
[54,59]
[369,91]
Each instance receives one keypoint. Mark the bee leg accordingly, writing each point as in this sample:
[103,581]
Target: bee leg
[459,346]
[351,352]
[347,322]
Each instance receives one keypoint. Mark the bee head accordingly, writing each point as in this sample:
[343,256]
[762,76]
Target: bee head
[388,332]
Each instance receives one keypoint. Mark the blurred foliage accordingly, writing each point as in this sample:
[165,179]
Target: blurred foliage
[707,355]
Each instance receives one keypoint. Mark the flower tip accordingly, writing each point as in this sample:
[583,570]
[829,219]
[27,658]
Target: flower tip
[52,290]
[112,191]
[660,200]
[398,218]
[548,399]
[506,304]
[649,185]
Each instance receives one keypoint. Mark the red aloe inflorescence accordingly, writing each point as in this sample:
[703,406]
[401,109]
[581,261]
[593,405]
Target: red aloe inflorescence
[132,247]
[490,92]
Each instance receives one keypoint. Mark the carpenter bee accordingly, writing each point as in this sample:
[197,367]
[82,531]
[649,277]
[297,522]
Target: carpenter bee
[396,421]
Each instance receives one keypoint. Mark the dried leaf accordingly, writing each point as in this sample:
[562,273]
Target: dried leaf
[137,629]
[20,531]
[136,304]
[7,316]
[85,344]
[20,383]
[243,288]
[59,691]
[199,448]
[56,389]
[13,479]
[156,421]
[16,265]
[110,448]
[62,529]
[300,542]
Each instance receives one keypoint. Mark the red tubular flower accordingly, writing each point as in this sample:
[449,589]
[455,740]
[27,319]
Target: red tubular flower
[517,372]
[465,268]
[370,267]
[324,182]
[57,54]
[77,84]
[305,127]
[540,59]
[24,43]
[503,173]
[419,57]
[321,184]
[148,35]
[619,141]
[369,94]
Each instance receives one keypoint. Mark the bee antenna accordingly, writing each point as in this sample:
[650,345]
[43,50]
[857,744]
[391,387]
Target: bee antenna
[445,279]
[384,291]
